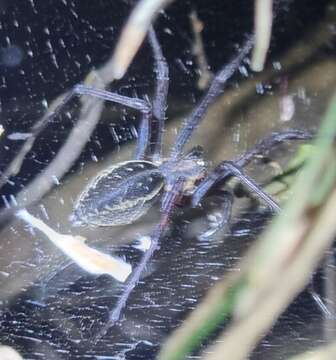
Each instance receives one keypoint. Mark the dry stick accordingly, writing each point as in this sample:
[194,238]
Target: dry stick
[198,51]
[90,259]
[263,17]
[132,36]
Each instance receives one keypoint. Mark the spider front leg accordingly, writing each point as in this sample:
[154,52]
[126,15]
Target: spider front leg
[149,143]
[215,89]
[144,147]
[268,143]
[229,168]
[134,103]
[233,168]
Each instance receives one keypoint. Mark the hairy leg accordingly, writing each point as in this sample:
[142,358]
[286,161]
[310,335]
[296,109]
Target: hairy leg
[159,101]
[229,168]
[215,89]
[261,148]
[169,201]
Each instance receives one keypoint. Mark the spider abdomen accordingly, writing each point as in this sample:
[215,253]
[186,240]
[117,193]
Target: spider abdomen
[119,195]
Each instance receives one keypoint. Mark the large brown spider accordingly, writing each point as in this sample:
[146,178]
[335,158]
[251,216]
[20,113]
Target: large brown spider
[122,193]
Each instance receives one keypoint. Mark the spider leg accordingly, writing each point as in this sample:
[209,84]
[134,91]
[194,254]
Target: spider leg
[149,144]
[266,144]
[168,204]
[35,131]
[159,101]
[261,148]
[215,89]
[134,103]
[227,168]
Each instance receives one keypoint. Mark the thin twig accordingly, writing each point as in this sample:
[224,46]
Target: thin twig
[131,38]
[89,259]
[263,18]
[198,50]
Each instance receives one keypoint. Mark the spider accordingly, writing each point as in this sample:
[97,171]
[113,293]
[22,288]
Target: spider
[122,193]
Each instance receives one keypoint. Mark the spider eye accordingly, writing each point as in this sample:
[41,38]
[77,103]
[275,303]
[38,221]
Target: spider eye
[119,195]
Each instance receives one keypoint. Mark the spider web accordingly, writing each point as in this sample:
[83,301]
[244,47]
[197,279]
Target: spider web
[49,307]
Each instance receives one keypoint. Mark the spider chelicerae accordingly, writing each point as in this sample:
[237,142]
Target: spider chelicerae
[124,192]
